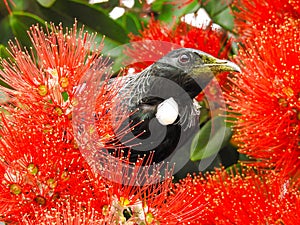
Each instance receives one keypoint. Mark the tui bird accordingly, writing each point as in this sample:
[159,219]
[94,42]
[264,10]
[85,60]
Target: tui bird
[160,99]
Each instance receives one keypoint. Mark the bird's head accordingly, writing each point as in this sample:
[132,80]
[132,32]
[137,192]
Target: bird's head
[191,69]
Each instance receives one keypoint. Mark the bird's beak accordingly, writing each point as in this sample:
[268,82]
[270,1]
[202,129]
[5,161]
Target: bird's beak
[206,67]
[218,66]
[215,65]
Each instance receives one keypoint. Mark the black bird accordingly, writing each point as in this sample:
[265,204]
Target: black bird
[160,99]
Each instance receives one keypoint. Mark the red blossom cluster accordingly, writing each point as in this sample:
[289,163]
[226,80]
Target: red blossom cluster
[265,97]
[243,197]
[254,16]
[41,165]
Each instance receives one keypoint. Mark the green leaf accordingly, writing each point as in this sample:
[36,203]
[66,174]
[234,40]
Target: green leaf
[109,5]
[92,16]
[20,23]
[236,169]
[204,112]
[46,3]
[157,5]
[5,31]
[225,19]
[3,52]
[131,23]
[214,7]
[219,12]
[244,157]
[210,139]
[65,96]
[172,13]
[2,83]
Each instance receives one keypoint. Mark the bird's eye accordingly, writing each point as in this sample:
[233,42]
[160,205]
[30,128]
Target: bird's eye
[184,59]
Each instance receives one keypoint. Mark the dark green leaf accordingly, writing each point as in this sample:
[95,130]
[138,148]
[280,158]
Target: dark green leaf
[65,96]
[2,83]
[172,13]
[244,157]
[225,19]
[46,3]
[109,5]
[92,16]
[5,31]
[20,23]
[235,169]
[3,52]
[131,23]
[204,112]
[157,5]
[19,5]
[219,12]
[48,14]
[210,139]
[214,7]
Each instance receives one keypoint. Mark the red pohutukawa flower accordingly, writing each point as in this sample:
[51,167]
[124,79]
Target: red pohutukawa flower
[265,97]
[37,173]
[67,213]
[47,76]
[254,16]
[46,80]
[249,197]
[41,164]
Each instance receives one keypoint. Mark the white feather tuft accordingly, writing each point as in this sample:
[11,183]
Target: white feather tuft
[167,111]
